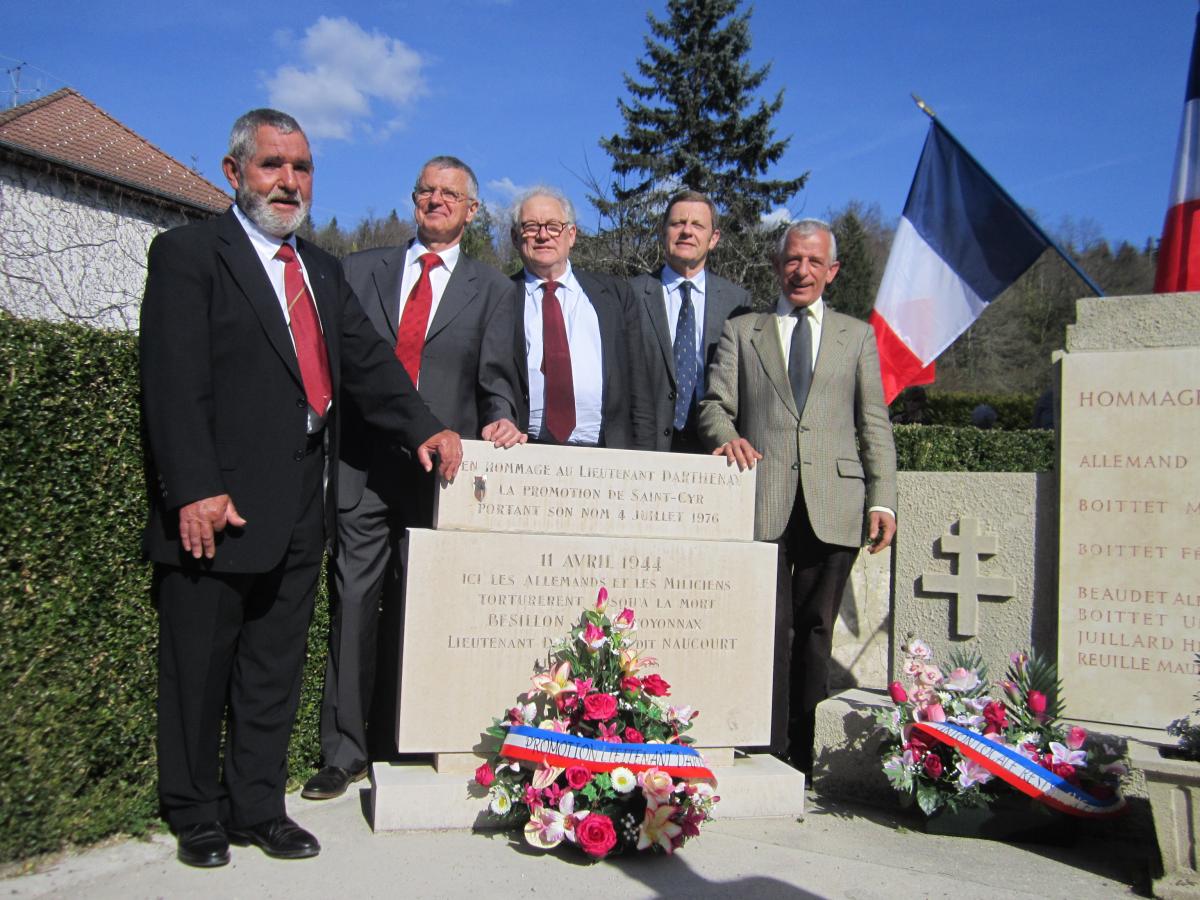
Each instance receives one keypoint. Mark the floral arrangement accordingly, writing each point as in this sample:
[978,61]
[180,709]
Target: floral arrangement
[596,753]
[975,738]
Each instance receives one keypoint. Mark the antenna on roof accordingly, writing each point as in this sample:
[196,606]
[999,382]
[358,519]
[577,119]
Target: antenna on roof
[14,75]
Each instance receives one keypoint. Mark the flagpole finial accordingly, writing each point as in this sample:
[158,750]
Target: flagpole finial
[923,106]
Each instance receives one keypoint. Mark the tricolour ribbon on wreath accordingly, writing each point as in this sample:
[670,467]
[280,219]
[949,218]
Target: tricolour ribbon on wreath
[1020,772]
[537,746]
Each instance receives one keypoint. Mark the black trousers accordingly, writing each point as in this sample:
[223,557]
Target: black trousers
[812,576]
[231,648]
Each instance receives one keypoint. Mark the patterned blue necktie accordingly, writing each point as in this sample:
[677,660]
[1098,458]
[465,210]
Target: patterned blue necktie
[687,366]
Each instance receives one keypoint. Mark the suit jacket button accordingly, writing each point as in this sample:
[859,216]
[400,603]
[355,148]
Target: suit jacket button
[671,396]
[300,402]
[666,432]
[298,455]
[795,465]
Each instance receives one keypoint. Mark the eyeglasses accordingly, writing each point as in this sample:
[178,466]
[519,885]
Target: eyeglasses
[553,229]
[424,192]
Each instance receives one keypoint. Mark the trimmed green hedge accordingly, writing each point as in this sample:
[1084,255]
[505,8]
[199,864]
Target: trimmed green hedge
[79,636]
[79,639]
[1014,412]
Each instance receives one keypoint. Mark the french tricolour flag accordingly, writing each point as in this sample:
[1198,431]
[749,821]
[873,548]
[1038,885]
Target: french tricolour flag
[961,241]
[1179,251]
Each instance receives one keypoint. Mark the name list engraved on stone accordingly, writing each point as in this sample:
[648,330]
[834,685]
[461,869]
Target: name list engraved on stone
[1129,626]
[967,585]
[533,489]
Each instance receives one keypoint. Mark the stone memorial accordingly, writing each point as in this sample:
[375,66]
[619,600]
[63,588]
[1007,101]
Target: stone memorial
[975,564]
[523,540]
[1129,464]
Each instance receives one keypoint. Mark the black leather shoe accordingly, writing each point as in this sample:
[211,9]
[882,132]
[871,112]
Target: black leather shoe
[204,845]
[331,782]
[280,837]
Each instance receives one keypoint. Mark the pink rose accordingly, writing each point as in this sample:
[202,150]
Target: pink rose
[599,707]
[577,777]
[624,621]
[631,684]
[1065,771]
[596,835]
[655,686]
[633,736]
[601,599]
[897,692]
[1037,703]
[484,776]
[1076,737]
[931,713]
[933,766]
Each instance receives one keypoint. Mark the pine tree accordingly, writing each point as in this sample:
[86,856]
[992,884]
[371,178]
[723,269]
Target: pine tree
[693,119]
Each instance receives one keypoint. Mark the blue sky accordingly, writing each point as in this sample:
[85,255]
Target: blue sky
[1073,106]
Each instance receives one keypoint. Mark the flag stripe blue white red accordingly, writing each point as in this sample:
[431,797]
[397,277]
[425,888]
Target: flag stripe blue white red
[1179,251]
[960,243]
[538,746]
[1022,773]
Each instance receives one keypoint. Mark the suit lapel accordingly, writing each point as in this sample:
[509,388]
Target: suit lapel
[652,298]
[831,353]
[247,270]
[387,278]
[765,342]
[460,291]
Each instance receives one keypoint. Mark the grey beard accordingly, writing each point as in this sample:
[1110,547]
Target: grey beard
[257,210]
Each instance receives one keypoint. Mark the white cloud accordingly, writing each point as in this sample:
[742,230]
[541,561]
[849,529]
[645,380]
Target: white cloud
[345,75]
[778,216]
[507,191]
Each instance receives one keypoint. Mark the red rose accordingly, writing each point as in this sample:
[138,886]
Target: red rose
[630,684]
[1037,702]
[897,692]
[933,766]
[917,744]
[655,686]
[599,707]
[577,777]
[996,717]
[596,835]
[484,775]
[633,736]
[1065,771]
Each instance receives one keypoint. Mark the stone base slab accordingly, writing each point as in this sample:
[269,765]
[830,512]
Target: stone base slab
[414,797]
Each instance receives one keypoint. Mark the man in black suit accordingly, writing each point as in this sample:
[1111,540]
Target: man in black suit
[247,335]
[578,341]
[682,309]
[451,317]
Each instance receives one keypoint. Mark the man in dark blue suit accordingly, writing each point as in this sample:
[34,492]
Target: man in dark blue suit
[248,336]
[683,307]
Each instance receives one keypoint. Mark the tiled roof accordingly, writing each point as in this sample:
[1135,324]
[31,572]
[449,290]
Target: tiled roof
[69,130]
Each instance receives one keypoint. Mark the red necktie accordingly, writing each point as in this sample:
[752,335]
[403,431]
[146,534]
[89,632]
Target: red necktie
[410,336]
[306,333]
[559,393]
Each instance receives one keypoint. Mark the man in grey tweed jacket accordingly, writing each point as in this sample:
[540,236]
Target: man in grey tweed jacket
[796,392]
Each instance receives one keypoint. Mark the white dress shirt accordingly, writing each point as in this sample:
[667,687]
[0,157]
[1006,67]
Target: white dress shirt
[266,246]
[786,323]
[583,338]
[439,277]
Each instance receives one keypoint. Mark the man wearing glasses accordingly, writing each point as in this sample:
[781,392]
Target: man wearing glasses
[451,320]
[578,341]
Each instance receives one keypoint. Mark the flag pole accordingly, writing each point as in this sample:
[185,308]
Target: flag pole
[1053,244]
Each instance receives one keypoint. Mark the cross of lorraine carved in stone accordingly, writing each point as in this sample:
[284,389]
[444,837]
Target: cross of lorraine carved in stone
[967,586]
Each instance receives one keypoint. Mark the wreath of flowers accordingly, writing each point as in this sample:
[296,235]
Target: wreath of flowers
[1022,716]
[596,688]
